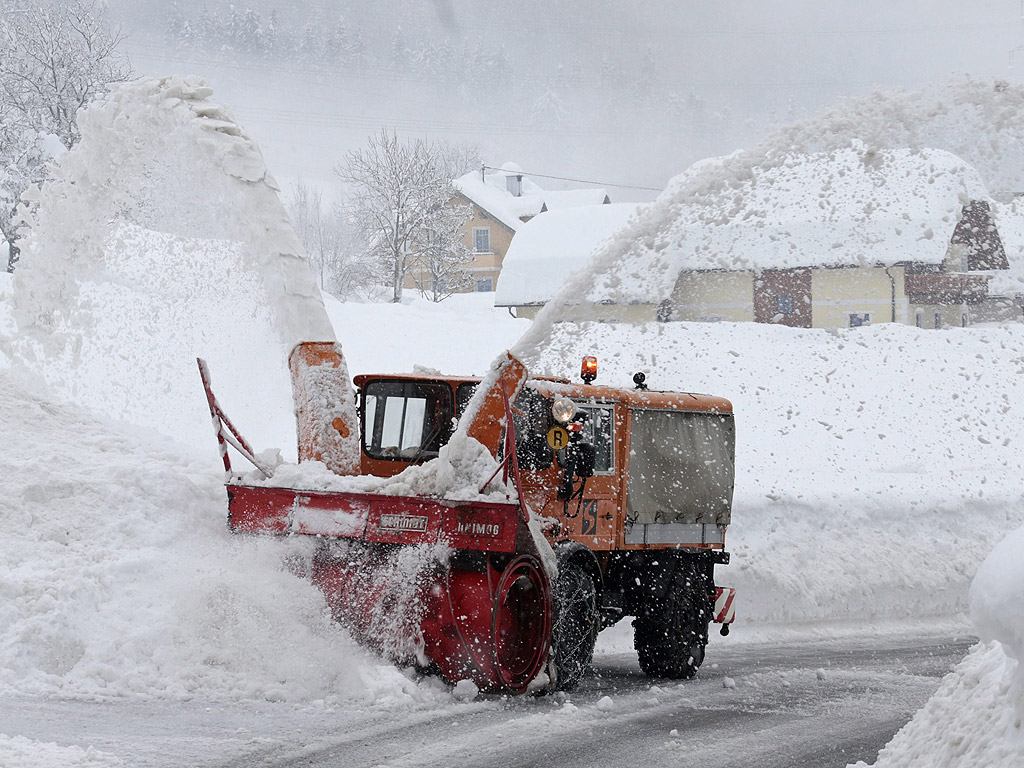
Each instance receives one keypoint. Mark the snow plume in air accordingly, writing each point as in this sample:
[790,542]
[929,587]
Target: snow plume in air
[159,238]
[969,122]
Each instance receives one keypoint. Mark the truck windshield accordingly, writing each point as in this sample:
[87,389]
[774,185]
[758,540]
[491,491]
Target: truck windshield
[408,420]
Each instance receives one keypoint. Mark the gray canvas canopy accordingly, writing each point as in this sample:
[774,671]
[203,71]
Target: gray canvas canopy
[681,467]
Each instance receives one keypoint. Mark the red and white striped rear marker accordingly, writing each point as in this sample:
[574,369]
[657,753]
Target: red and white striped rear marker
[725,605]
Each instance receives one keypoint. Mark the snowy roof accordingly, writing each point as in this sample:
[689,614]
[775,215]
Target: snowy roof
[491,193]
[848,207]
[547,249]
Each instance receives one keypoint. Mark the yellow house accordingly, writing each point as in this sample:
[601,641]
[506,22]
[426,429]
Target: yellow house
[501,201]
[840,239]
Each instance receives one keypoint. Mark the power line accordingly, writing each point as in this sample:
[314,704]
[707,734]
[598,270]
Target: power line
[579,181]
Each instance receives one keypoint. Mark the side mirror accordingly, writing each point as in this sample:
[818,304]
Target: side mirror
[579,462]
[584,459]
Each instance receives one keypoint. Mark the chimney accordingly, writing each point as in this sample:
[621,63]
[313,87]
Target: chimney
[514,184]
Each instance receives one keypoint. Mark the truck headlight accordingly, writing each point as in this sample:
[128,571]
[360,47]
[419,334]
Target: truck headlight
[563,409]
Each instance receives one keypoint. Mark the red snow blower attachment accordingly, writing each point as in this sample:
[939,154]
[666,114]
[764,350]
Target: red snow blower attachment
[424,558]
[456,584]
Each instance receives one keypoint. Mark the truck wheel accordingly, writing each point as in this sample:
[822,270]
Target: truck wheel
[670,639]
[575,626]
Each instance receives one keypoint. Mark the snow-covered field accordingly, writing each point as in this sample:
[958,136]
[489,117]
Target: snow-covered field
[878,467]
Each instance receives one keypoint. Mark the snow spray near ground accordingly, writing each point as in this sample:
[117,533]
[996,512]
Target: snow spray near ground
[117,574]
[119,577]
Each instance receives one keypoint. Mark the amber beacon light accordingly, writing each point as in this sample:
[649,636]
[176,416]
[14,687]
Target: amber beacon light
[589,370]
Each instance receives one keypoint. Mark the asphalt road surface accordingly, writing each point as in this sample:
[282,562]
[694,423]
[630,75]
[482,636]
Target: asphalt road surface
[813,703]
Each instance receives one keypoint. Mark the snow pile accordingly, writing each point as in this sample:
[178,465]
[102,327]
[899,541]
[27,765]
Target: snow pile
[119,578]
[458,473]
[876,467]
[974,719]
[26,753]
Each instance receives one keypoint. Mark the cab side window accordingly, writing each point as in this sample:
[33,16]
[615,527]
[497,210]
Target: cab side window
[531,415]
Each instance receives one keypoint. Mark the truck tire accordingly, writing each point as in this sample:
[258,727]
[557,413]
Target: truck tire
[670,638]
[575,625]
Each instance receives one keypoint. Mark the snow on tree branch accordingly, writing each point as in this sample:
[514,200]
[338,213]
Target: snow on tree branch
[402,205]
[54,58]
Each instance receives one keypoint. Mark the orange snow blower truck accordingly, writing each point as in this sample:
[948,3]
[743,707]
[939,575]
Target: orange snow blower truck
[612,503]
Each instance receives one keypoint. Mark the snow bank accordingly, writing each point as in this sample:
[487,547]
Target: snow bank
[876,467]
[970,722]
[974,719]
[119,577]
[27,753]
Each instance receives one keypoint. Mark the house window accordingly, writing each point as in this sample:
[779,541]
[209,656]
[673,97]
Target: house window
[484,284]
[481,239]
[938,319]
[919,318]
[857,319]
[963,320]
[784,305]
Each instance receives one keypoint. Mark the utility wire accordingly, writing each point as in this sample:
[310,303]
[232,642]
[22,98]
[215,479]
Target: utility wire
[579,181]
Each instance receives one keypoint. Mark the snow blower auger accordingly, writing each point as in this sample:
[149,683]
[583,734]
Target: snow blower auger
[456,585]
[630,490]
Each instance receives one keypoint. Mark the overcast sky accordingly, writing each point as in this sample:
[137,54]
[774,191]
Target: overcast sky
[618,92]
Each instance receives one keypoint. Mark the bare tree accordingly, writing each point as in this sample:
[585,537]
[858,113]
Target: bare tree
[54,57]
[457,158]
[401,205]
[441,268]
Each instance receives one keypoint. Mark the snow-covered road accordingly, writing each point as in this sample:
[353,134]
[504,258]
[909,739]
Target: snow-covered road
[819,703]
